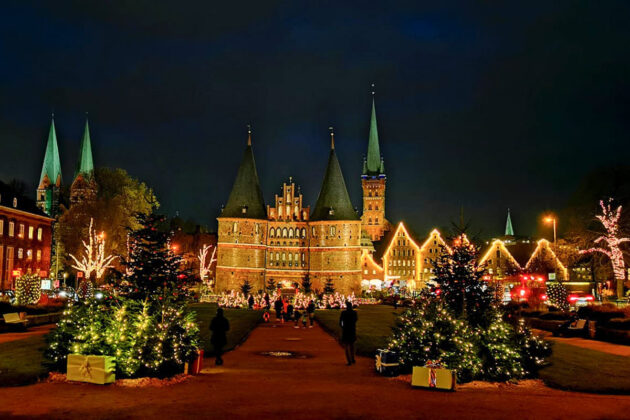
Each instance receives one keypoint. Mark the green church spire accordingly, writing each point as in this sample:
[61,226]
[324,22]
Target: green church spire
[51,168]
[85,165]
[246,199]
[374,163]
[509,231]
[333,202]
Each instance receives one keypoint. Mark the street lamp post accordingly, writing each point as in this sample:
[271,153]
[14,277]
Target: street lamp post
[550,219]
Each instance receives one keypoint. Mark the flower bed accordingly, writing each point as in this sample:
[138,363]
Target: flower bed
[299,300]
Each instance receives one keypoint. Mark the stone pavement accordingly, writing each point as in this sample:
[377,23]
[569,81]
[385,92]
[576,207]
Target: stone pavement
[314,384]
[30,332]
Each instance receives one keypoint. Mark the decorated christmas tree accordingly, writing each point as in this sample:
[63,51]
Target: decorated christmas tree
[27,289]
[306,284]
[153,270]
[271,286]
[246,287]
[461,283]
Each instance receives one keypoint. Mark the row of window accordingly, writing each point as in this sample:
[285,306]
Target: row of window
[402,263]
[21,230]
[29,254]
[370,221]
[370,207]
[287,233]
[295,256]
[403,252]
[403,272]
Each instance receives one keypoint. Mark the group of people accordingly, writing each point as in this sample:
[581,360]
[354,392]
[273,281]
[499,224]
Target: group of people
[285,312]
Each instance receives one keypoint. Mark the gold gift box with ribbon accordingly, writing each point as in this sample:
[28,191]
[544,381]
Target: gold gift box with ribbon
[433,377]
[93,369]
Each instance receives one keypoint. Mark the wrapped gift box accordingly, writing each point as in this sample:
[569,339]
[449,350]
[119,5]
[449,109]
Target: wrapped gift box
[194,367]
[433,376]
[93,369]
[386,362]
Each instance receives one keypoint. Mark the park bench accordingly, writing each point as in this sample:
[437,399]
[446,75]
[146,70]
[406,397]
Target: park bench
[13,320]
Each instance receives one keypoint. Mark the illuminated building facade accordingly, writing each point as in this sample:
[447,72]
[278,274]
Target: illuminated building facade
[286,243]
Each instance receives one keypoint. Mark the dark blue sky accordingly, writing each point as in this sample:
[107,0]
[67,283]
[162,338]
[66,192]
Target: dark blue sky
[485,105]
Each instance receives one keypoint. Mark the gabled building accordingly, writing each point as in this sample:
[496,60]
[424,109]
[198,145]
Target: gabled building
[401,259]
[432,249]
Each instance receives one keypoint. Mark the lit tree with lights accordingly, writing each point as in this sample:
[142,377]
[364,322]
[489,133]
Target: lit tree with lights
[205,264]
[610,220]
[94,259]
[154,270]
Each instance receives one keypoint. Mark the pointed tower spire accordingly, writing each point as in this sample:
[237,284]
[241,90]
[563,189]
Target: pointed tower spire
[249,134]
[374,162]
[509,231]
[246,199]
[85,165]
[51,168]
[333,202]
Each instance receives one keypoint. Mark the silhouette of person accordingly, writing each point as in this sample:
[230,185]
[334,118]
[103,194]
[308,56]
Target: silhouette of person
[219,327]
[348,323]
[278,307]
[310,309]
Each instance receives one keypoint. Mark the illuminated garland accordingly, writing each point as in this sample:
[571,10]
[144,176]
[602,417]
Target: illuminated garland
[557,295]
[543,244]
[299,300]
[28,289]
[610,220]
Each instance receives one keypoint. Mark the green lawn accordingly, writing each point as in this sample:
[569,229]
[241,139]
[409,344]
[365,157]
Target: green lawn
[578,369]
[373,328]
[21,361]
[242,321]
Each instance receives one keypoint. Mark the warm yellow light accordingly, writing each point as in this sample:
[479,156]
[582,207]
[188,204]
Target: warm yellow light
[543,243]
[549,219]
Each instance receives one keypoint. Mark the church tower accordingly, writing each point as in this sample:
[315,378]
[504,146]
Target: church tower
[49,187]
[335,243]
[242,230]
[373,182]
[84,186]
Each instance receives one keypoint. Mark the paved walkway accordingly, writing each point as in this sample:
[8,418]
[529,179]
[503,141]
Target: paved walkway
[315,385]
[603,346]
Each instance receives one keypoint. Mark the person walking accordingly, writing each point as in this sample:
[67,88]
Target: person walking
[348,323]
[250,302]
[219,327]
[310,310]
[278,307]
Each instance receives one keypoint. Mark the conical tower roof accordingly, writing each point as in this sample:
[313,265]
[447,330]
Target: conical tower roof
[374,166]
[246,199]
[52,166]
[333,202]
[85,165]
[509,230]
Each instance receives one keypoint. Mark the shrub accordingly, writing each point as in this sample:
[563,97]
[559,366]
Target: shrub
[558,295]
[556,316]
[27,289]
[602,314]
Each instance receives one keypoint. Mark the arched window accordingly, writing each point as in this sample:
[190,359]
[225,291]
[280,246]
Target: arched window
[303,233]
[370,222]
[333,230]
[296,257]
[277,256]
[290,257]
[290,232]
[284,256]
[234,227]
[370,207]
[272,232]
[284,232]
[376,221]
[370,194]
[279,211]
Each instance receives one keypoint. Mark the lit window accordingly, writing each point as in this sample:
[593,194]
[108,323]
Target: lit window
[29,254]
[234,227]
[365,271]
[11,229]
[39,255]
[14,202]
[39,234]
[333,230]
[21,235]
[272,232]
[1,227]
[20,253]
[31,230]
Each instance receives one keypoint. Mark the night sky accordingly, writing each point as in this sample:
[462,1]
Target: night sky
[485,105]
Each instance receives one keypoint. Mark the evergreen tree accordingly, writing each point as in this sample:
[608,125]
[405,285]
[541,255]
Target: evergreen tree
[246,288]
[461,283]
[306,284]
[429,331]
[271,286]
[329,287]
[153,270]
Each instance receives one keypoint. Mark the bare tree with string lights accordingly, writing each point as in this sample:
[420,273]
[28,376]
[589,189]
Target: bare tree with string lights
[610,220]
[205,264]
[93,259]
